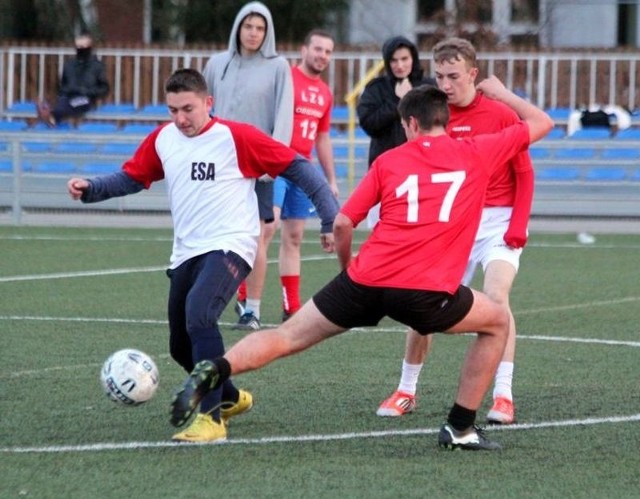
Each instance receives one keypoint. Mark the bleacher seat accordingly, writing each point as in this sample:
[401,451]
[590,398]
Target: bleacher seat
[4,147]
[621,153]
[539,153]
[154,111]
[6,166]
[24,109]
[604,174]
[138,128]
[559,113]
[126,149]
[628,134]
[635,176]
[593,133]
[40,126]
[116,109]
[98,168]
[97,127]
[341,171]
[37,147]
[13,126]
[559,173]
[75,147]
[576,153]
[556,133]
[339,114]
[54,167]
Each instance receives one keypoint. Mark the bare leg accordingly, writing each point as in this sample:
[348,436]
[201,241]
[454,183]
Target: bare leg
[498,279]
[417,347]
[491,320]
[306,328]
[256,279]
[291,235]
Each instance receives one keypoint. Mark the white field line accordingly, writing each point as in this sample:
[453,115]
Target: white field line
[107,446]
[132,270]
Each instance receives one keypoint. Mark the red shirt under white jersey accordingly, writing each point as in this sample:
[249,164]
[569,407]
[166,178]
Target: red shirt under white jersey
[210,180]
[431,191]
[312,102]
[486,115]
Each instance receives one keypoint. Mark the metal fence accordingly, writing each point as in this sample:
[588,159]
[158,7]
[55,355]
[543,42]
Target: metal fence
[551,80]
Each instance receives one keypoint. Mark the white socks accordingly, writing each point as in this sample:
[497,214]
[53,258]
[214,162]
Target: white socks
[504,378]
[409,378]
[253,306]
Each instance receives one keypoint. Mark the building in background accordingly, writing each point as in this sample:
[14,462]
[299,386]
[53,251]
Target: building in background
[529,23]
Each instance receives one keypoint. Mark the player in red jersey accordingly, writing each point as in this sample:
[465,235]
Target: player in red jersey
[312,103]
[431,191]
[210,167]
[503,229]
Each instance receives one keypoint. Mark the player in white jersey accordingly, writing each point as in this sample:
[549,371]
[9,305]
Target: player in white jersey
[210,167]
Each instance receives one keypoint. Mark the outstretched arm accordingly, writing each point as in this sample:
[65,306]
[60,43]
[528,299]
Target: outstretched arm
[540,124]
[102,188]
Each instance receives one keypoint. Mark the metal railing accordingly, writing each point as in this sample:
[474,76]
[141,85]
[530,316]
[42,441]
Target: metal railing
[568,79]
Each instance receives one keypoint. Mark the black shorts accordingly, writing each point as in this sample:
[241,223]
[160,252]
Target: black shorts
[264,192]
[349,304]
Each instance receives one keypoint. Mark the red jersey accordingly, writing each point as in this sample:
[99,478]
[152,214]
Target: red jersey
[312,102]
[431,191]
[486,115]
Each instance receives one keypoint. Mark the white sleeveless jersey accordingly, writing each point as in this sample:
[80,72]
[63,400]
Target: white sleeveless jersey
[210,182]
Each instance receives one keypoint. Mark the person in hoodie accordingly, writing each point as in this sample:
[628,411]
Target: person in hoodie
[378,105]
[251,83]
[82,84]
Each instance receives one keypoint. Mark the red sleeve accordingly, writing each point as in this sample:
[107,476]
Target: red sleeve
[257,152]
[516,235]
[145,165]
[363,198]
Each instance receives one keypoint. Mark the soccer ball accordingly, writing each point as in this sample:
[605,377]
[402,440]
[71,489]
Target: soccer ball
[129,377]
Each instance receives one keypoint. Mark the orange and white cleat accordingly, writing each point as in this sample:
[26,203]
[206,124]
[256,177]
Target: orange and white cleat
[399,404]
[502,412]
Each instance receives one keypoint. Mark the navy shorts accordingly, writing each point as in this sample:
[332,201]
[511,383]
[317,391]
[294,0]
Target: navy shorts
[349,304]
[264,192]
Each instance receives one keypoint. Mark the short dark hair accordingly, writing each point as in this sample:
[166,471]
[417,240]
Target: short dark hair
[427,104]
[186,80]
[316,32]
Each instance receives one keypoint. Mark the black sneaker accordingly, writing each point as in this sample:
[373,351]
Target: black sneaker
[201,380]
[248,322]
[286,315]
[239,307]
[470,439]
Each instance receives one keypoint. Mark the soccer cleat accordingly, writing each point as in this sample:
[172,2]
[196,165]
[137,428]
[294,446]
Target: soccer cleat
[239,307]
[470,439]
[230,409]
[399,404]
[203,429]
[502,412]
[201,380]
[248,322]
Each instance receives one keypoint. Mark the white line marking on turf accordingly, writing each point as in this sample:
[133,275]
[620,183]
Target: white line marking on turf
[98,447]
[133,270]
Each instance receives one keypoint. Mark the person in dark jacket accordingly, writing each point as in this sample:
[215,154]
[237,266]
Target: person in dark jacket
[83,83]
[378,105]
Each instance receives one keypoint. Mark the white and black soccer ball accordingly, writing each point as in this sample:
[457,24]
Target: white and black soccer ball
[129,377]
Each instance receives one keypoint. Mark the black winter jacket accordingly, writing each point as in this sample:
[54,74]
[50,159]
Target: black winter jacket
[84,77]
[378,105]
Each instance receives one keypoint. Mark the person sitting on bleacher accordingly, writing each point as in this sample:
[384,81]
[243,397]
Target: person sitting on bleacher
[83,83]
